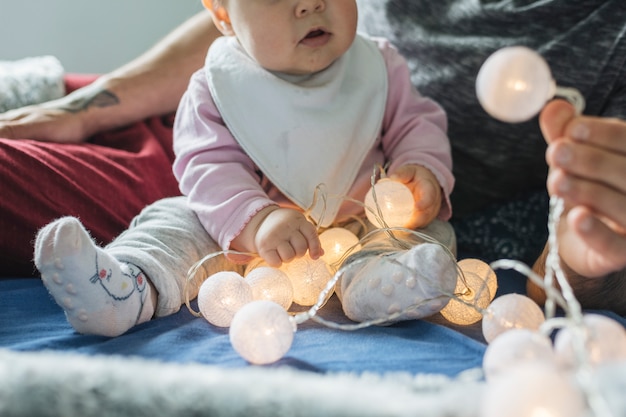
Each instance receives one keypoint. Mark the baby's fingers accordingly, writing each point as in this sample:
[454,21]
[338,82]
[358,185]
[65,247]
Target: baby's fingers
[309,234]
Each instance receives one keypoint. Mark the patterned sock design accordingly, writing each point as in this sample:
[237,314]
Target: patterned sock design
[99,294]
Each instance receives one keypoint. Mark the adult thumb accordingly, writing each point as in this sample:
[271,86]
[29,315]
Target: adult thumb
[554,119]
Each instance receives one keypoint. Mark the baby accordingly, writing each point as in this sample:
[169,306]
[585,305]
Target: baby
[291,101]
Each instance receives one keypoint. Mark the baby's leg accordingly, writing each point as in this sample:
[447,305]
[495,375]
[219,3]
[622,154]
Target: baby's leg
[165,240]
[157,250]
[99,294]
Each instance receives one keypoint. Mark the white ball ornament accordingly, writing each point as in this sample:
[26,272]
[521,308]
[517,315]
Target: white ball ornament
[221,296]
[517,347]
[262,332]
[395,203]
[336,242]
[532,390]
[604,341]
[271,284]
[483,271]
[308,277]
[474,293]
[511,311]
[514,84]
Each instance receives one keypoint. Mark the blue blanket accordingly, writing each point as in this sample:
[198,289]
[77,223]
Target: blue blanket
[31,321]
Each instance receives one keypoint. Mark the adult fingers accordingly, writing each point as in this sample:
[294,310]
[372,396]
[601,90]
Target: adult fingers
[589,162]
[49,125]
[597,196]
[593,249]
[604,133]
[554,118]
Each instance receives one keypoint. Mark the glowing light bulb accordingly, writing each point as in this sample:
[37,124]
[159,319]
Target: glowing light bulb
[604,341]
[271,284]
[221,296]
[514,84]
[475,293]
[308,278]
[395,201]
[517,347]
[532,390]
[261,332]
[511,311]
[336,242]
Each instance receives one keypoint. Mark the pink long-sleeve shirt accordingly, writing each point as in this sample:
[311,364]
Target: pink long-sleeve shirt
[226,189]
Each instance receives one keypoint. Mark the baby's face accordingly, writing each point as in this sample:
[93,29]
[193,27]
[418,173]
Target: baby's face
[294,36]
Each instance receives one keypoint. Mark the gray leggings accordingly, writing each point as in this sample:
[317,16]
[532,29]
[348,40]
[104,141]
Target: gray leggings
[166,239]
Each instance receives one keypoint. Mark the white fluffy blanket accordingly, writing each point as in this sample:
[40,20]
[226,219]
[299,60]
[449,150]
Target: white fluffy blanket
[57,384]
[68,385]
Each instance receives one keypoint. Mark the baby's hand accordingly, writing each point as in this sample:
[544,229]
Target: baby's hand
[285,234]
[426,191]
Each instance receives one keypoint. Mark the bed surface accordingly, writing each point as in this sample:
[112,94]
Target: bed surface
[185,366]
[31,321]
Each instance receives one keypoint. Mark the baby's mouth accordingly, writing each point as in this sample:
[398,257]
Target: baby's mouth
[316,37]
[314,34]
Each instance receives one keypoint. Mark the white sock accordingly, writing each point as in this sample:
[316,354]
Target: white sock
[414,282]
[99,294]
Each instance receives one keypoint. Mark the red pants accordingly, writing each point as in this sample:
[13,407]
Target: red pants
[105,182]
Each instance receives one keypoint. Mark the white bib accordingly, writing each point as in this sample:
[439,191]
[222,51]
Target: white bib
[303,131]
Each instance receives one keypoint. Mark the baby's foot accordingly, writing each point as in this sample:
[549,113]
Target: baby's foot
[378,285]
[99,294]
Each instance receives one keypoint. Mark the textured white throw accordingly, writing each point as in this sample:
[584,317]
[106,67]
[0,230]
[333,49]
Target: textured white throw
[68,385]
[30,81]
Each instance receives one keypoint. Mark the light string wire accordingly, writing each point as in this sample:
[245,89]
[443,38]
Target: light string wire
[570,305]
[192,274]
[311,313]
[565,298]
[379,171]
[595,399]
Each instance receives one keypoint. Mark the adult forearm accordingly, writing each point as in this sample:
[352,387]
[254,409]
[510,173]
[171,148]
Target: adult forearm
[149,85]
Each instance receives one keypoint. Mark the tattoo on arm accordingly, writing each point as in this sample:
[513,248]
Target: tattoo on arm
[97,98]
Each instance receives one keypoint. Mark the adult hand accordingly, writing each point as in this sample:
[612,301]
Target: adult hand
[587,158]
[426,191]
[51,122]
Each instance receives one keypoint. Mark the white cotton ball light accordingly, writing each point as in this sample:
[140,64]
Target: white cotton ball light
[336,242]
[517,347]
[474,294]
[514,84]
[532,390]
[395,203]
[308,277]
[511,311]
[604,341]
[262,332]
[271,284]
[221,296]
